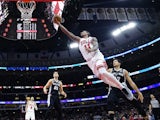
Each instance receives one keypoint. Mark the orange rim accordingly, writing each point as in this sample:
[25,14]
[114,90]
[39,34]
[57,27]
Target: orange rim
[26,1]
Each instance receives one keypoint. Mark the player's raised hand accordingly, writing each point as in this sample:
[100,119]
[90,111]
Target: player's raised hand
[57,19]
[140,97]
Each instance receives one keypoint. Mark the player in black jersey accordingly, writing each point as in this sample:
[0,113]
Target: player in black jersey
[55,88]
[115,94]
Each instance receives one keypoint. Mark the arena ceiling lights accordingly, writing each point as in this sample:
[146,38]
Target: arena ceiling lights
[78,64]
[73,45]
[124,28]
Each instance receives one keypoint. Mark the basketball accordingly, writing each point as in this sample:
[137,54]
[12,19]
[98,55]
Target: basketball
[57,18]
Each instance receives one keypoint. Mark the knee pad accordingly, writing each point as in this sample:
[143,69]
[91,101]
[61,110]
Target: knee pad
[100,72]
[100,63]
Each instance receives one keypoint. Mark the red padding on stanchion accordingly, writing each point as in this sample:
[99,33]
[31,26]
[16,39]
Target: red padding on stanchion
[34,0]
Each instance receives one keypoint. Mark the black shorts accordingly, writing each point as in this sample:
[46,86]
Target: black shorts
[156,111]
[55,101]
[114,100]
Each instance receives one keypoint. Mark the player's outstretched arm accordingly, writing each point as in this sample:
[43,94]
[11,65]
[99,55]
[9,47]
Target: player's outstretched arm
[57,20]
[35,106]
[150,108]
[134,86]
[62,91]
[49,83]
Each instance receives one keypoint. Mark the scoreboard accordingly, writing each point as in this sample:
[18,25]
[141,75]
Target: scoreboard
[31,28]
[26,29]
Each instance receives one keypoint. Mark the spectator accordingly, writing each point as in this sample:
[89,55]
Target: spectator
[154,107]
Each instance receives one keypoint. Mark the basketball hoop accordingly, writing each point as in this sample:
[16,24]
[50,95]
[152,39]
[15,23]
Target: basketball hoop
[26,7]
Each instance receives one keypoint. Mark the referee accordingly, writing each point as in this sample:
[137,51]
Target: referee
[154,107]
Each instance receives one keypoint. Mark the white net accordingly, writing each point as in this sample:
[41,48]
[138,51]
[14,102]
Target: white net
[26,9]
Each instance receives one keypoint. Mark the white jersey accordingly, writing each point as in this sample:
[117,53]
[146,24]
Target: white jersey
[82,47]
[30,106]
[155,103]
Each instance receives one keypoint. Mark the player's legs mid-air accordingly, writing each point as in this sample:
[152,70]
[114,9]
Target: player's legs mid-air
[98,66]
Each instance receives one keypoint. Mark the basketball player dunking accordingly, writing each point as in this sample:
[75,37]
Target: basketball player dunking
[31,106]
[55,87]
[89,49]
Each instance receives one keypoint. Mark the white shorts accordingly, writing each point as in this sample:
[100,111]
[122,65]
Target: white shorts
[96,62]
[30,115]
